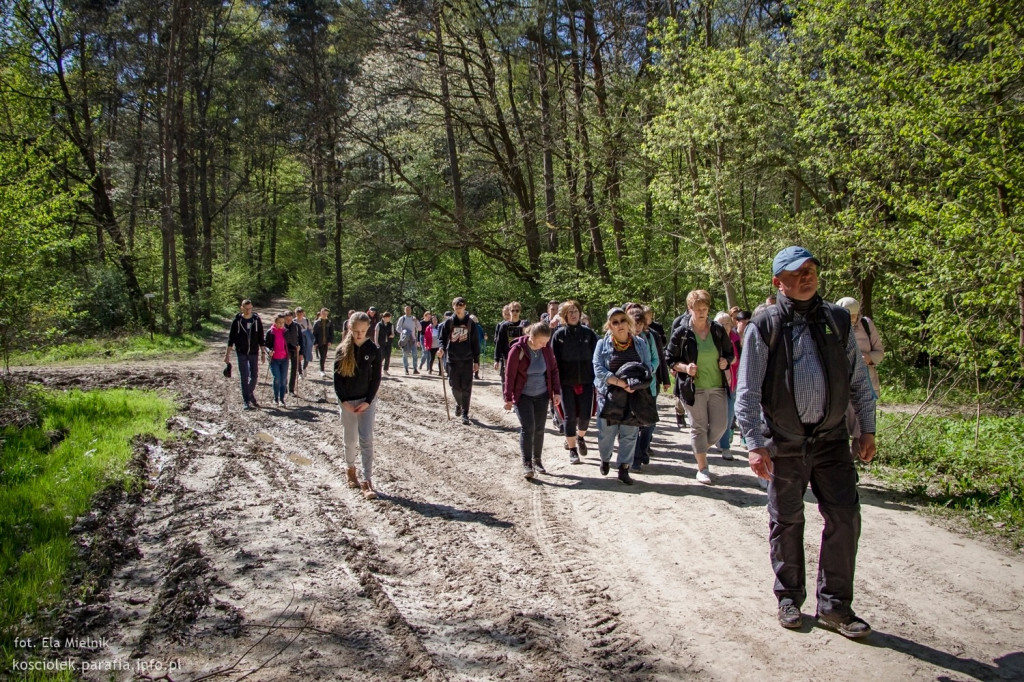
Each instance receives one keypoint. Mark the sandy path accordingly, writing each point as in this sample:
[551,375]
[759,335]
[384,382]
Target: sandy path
[256,558]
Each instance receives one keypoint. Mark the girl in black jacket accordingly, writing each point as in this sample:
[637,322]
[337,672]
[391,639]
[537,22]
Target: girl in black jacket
[357,371]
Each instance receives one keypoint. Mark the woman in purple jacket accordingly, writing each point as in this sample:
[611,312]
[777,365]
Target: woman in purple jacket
[531,379]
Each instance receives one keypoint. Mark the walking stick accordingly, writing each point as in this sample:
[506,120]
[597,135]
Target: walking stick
[444,389]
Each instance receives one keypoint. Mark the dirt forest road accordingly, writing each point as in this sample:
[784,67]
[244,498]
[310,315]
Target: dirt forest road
[254,559]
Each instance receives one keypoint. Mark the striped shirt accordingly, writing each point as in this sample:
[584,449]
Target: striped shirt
[810,389]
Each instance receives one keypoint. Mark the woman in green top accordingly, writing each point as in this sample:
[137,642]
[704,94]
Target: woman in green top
[698,353]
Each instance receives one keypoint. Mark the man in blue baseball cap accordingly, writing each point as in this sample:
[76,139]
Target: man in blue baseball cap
[799,369]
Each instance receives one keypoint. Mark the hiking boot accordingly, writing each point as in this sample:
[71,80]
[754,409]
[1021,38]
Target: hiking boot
[605,468]
[458,410]
[368,492]
[582,445]
[527,471]
[790,616]
[353,481]
[848,625]
[538,467]
[624,474]
[704,476]
[574,457]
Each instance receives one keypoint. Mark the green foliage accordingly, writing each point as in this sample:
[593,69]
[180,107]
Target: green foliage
[47,480]
[960,463]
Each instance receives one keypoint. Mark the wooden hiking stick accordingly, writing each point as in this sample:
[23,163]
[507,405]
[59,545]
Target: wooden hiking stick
[444,389]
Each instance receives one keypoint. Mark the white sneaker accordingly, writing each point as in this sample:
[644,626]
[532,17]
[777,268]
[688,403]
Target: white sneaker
[704,476]
[322,375]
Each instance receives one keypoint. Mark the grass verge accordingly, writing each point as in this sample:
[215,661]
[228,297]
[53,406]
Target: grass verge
[49,473]
[935,459]
[136,346]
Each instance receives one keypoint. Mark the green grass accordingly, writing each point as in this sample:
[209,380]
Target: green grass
[936,460]
[136,346]
[44,488]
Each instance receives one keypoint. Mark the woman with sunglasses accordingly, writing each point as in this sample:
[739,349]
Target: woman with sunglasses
[618,347]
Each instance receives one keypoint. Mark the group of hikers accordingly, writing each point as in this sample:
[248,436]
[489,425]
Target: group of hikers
[797,376]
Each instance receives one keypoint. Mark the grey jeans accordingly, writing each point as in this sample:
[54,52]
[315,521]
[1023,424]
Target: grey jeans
[359,428]
[708,416]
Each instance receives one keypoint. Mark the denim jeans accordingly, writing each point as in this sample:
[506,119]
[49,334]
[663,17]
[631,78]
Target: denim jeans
[532,410]
[643,444]
[725,442]
[279,370]
[606,435]
[414,353]
[359,429]
[248,371]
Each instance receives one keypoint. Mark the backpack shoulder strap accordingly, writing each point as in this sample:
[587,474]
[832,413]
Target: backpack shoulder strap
[864,323]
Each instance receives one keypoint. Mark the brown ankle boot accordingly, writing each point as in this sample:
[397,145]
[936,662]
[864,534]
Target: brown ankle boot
[353,482]
[368,492]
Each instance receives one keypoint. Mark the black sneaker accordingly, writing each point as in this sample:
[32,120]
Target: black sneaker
[624,474]
[538,467]
[574,457]
[255,404]
[790,616]
[246,406]
[415,371]
[465,420]
[848,625]
[582,445]
[605,468]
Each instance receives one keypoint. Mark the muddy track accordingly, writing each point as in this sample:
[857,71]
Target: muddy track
[255,559]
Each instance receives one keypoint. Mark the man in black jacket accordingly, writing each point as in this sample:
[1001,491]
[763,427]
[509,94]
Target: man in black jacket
[246,337]
[293,335]
[460,349]
[323,336]
[799,370]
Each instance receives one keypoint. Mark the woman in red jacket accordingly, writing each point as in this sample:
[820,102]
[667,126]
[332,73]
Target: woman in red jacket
[531,379]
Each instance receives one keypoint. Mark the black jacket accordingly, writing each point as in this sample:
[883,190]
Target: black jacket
[246,343]
[682,347]
[639,408]
[367,377]
[293,334]
[382,334]
[323,332]
[574,347]
[456,347]
[505,334]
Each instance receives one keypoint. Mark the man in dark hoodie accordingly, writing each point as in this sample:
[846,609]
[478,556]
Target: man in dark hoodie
[246,337]
[293,335]
[460,350]
[323,336]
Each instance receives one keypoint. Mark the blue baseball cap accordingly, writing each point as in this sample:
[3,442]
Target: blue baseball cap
[791,258]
